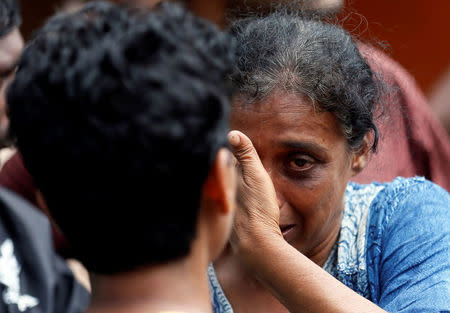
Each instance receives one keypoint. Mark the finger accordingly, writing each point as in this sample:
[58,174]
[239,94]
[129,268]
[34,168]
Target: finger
[246,154]
[242,147]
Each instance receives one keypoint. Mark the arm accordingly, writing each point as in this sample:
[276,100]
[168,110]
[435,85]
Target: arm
[300,284]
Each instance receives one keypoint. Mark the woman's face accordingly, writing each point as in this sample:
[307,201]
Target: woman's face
[309,162]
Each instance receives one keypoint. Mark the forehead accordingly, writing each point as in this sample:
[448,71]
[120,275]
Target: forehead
[286,117]
[11,46]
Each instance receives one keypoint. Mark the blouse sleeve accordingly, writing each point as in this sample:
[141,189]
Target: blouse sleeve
[412,257]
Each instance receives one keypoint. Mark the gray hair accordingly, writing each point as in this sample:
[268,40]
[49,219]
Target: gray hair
[319,60]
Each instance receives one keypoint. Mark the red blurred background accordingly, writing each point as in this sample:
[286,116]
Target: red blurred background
[417,32]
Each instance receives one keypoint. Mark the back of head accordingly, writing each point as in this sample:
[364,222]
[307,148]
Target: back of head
[300,53]
[9,16]
[119,116]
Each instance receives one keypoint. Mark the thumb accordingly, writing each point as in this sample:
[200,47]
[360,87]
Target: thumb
[246,155]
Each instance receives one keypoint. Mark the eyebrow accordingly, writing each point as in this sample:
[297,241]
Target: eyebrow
[303,146]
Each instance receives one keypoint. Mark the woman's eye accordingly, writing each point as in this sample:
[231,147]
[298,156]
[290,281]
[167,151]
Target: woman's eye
[301,163]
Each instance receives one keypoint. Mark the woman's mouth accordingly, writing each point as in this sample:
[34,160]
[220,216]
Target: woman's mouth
[287,229]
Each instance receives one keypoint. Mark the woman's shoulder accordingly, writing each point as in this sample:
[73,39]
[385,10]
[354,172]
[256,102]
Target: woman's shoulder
[392,196]
[396,185]
[408,244]
[402,185]
[413,203]
[404,200]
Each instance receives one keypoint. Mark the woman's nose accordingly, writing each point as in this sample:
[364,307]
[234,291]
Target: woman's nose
[280,198]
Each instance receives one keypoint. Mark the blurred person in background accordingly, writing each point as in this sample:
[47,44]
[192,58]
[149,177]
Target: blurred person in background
[13,174]
[33,278]
[11,45]
[31,274]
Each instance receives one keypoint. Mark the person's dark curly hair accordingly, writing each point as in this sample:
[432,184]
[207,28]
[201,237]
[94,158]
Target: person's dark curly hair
[302,54]
[119,116]
[9,16]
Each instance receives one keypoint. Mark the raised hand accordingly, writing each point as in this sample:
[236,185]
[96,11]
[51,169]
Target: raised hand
[257,215]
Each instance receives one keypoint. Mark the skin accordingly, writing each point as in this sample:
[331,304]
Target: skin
[11,46]
[295,165]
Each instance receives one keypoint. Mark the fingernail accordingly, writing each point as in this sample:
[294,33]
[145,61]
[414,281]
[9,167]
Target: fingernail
[234,139]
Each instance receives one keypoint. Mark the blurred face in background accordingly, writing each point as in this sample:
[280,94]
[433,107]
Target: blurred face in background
[327,6]
[11,46]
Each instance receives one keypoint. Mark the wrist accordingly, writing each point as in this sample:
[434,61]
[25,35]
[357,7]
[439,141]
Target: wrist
[261,248]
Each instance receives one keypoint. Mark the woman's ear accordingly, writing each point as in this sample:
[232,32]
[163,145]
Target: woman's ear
[360,157]
[219,190]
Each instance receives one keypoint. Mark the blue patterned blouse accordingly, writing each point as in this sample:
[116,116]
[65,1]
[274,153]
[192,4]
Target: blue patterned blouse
[393,248]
